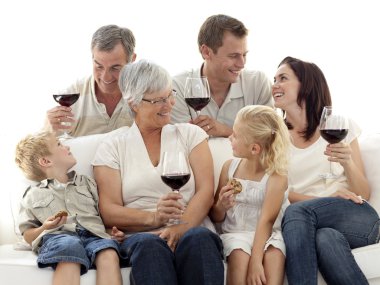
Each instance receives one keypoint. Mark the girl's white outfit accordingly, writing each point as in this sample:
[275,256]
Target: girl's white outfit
[239,226]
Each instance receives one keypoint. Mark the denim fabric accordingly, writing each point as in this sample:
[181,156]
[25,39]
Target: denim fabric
[196,260]
[79,247]
[320,233]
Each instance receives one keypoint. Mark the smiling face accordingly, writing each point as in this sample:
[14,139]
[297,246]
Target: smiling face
[240,146]
[285,88]
[226,64]
[156,114]
[106,68]
[60,155]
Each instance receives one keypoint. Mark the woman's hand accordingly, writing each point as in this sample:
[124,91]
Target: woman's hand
[172,235]
[348,195]
[226,198]
[339,152]
[168,207]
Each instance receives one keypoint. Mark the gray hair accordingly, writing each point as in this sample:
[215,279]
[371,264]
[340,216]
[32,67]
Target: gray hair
[107,37]
[142,77]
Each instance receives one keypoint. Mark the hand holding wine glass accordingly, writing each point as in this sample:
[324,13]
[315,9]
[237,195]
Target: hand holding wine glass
[175,174]
[66,100]
[197,93]
[333,128]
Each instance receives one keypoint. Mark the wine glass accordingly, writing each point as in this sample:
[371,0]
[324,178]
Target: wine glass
[66,100]
[175,174]
[197,93]
[333,128]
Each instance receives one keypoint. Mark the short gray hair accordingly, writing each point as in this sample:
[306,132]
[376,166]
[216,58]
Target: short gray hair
[142,77]
[107,37]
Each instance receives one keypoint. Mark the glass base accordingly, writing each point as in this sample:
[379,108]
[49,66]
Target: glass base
[328,176]
[173,222]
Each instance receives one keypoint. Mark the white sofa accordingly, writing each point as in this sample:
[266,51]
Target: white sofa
[19,266]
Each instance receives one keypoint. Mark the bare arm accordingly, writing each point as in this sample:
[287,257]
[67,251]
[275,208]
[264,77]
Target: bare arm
[274,197]
[224,198]
[111,204]
[350,158]
[31,234]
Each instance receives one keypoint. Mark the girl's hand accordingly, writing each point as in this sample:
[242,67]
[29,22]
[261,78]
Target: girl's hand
[348,195]
[255,274]
[226,197]
[339,152]
[53,222]
[117,234]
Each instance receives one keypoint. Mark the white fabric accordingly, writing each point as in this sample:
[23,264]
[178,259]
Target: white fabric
[252,88]
[19,267]
[141,181]
[307,164]
[242,218]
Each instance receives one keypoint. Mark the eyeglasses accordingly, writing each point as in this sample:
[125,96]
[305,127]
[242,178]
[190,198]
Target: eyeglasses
[162,101]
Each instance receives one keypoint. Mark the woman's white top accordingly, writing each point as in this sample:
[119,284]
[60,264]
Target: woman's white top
[308,163]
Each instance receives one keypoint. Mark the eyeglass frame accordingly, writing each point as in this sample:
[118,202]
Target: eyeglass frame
[162,101]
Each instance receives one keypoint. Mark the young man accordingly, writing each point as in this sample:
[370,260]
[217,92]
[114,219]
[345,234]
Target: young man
[100,107]
[222,42]
[70,247]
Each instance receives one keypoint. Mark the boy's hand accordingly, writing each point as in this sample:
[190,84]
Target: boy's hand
[53,222]
[118,235]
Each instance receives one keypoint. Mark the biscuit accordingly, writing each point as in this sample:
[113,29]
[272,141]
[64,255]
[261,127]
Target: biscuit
[237,188]
[61,214]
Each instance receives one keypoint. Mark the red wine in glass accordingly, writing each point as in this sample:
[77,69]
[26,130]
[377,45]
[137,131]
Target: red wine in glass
[197,93]
[175,173]
[175,180]
[333,128]
[334,135]
[66,100]
[197,103]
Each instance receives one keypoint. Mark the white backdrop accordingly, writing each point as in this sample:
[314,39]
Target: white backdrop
[46,44]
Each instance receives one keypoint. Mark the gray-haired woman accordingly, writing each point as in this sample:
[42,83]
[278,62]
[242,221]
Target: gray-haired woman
[134,199]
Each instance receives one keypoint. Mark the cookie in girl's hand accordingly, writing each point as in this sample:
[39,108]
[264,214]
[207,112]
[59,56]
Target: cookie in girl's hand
[237,188]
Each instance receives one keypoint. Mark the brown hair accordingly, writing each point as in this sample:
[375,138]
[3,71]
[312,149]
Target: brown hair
[212,31]
[314,92]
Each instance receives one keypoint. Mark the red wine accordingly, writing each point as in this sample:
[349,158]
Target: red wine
[175,181]
[334,135]
[66,99]
[197,103]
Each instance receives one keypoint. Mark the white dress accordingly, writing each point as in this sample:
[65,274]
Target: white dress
[239,226]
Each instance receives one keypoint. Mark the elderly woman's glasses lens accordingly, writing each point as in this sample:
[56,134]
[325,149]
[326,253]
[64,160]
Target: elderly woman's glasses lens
[162,101]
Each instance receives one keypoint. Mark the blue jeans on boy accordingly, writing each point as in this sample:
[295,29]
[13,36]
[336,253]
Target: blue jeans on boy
[79,247]
[320,233]
[197,259]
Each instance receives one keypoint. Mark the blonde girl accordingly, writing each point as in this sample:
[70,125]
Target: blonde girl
[250,221]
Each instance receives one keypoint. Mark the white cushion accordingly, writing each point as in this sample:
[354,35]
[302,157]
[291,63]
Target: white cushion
[370,150]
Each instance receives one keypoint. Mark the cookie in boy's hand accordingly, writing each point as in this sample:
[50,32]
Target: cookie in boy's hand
[237,188]
[61,214]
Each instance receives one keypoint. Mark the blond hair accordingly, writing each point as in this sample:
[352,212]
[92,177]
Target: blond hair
[262,125]
[29,150]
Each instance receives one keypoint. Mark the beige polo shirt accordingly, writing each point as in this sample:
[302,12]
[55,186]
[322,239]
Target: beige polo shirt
[251,88]
[91,116]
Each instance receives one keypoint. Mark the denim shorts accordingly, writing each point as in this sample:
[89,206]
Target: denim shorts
[79,247]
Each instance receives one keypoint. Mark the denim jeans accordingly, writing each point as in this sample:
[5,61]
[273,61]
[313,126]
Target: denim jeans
[196,260]
[320,233]
[79,247]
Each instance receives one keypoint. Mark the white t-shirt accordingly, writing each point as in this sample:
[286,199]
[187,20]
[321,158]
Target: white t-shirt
[307,164]
[141,181]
